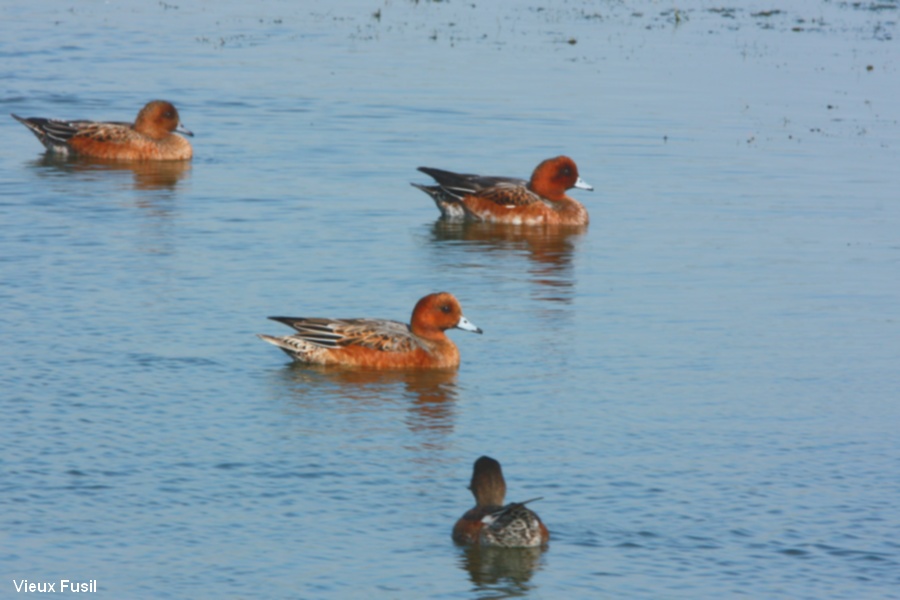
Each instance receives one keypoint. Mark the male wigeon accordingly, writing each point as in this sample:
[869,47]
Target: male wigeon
[150,137]
[542,200]
[490,523]
[379,343]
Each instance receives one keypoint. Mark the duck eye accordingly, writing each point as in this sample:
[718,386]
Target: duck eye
[445,308]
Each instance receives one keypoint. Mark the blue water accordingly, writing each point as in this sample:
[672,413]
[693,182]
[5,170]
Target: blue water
[702,387]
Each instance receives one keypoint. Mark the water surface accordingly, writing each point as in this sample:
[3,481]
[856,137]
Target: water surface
[702,386]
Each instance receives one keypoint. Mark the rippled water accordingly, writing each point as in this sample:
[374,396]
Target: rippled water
[702,386]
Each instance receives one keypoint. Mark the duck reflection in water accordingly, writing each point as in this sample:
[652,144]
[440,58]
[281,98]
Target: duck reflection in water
[431,394]
[549,248]
[146,175]
[504,571]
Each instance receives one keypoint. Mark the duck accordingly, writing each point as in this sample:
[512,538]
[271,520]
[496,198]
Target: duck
[490,522]
[542,200]
[152,136]
[379,343]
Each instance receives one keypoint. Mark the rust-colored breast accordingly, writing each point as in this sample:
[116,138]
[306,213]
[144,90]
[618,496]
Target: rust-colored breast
[467,529]
[115,142]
